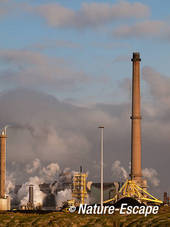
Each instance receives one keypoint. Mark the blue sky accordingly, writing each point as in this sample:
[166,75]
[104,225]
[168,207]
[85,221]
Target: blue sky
[93,48]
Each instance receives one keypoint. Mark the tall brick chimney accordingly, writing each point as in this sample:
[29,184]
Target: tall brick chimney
[2,163]
[136,121]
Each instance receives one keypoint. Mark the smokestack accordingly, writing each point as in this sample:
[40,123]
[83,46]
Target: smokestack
[31,194]
[2,163]
[165,197]
[4,200]
[81,169]
[136,121]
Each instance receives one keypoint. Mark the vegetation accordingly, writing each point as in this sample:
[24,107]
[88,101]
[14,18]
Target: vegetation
[58,219]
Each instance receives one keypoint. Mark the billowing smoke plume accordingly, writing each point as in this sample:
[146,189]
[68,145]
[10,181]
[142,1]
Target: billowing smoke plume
[60,183]
[47,173]
[36,174]
[34,167]
[152,176]
[23,193]
[50,172]
[62,196]
[119,171]
[61,188]
[10,185]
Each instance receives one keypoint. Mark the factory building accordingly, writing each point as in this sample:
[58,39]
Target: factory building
[49,201]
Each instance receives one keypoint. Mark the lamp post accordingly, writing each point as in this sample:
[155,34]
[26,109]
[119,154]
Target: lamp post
[101,164]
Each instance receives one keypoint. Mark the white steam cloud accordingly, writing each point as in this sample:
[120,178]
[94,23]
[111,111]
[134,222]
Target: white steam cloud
[32,168]
[37,174]
[152,176]
[50,171]
[62,196]
[119,171]
[10,184]
[61,189]
[60,183]
[46,173]
[23,193]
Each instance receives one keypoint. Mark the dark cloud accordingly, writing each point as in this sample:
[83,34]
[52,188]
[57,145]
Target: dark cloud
[50,130]
[54,131]
[25,68]
[45,128]
[159,84]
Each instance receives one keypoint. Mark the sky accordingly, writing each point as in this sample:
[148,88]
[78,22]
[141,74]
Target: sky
[65,69]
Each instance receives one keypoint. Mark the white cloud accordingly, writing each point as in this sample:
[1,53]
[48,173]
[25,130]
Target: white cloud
[144,29]
[91,14]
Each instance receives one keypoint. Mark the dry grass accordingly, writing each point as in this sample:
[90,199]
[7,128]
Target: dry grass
[56,219]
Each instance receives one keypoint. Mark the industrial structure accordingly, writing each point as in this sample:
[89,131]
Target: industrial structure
[79,191]
[109,191]
[166,199]
[136,187]
[30,203]
[101,164]
[136,173]
[133,190]
[4,199]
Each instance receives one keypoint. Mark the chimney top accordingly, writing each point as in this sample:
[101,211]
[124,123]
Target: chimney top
[80,169]
[136,56]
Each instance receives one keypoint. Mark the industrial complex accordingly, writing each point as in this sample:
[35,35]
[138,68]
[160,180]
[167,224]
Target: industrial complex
[83,191]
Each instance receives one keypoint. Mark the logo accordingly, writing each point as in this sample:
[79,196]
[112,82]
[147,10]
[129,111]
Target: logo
[124,209]
[72,209]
